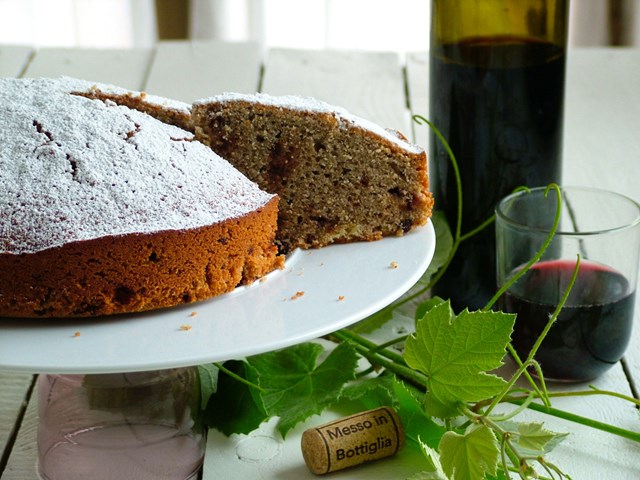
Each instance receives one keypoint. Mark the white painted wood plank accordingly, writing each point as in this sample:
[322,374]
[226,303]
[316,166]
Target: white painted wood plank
[602,140]
[22,464]
[13,391]
[418,92]
[13,59]
[632,355]
[368,84]
[125,68]
[189,71]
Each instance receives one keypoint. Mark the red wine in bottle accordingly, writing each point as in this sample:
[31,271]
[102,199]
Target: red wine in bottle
[497,97]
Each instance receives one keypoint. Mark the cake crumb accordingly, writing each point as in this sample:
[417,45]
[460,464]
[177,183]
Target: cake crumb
[76,334]
[185,327]
[393,264]
[340,298]
[193,314]
[297,295]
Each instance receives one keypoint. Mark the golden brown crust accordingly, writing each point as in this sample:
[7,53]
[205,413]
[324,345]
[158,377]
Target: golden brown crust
[139,272]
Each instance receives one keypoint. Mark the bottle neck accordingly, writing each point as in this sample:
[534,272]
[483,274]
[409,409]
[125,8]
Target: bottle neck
[526,20]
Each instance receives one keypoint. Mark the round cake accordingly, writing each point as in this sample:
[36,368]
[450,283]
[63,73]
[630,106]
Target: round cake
[104,209]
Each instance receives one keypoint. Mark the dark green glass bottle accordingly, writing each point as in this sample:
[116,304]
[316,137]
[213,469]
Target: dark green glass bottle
[497,76]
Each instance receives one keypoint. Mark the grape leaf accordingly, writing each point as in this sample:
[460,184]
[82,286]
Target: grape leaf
[294,387]
[418,427]
[427,476]
[434,469]
[232,408]
[389,390]
[423,308]
[531,438]
[471,455]
[208,376]
[372,392]
[456,352]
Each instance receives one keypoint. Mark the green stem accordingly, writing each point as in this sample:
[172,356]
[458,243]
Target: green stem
[238,377]
[346,334]
[523,366]
[405,372]
[390,343]
[579,393]
[539,253]
[517,411]
[556,312]
[456,171]
[530,359]
[457,233]
[458,227]
[479,228]
[506,446]
[540,393]
[605,427]
[394,363]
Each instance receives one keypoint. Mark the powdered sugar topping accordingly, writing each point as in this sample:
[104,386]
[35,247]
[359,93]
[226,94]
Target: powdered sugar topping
[308,104]
[75,169]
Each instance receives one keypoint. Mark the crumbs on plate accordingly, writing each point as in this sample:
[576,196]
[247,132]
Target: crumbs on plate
[393,264]
[76,334]
[297,295]
[185,328]
[340,298]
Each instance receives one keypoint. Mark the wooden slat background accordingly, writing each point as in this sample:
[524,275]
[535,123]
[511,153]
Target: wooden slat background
[601,137]
[189,71]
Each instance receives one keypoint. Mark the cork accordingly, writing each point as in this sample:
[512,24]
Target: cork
[352,440]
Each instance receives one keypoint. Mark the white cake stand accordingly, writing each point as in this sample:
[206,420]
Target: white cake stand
[318,292]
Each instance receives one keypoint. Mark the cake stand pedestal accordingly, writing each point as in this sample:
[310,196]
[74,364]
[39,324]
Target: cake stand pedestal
[144,425]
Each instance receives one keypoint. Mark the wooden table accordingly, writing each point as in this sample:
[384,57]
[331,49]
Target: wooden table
[602,147]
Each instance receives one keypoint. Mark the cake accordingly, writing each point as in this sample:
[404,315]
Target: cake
[118,201]
[105,209]
[340,178]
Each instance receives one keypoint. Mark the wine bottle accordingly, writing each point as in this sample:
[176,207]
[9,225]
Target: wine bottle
[497,79]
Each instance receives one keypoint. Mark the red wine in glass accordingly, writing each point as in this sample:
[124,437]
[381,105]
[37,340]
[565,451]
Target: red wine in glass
[593,329]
